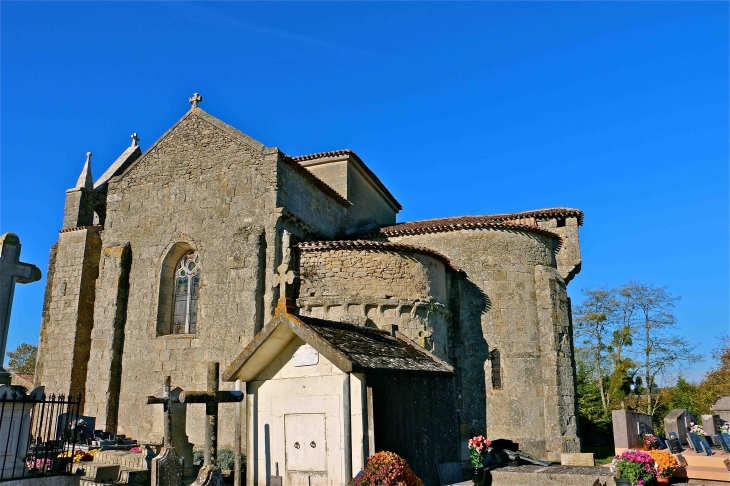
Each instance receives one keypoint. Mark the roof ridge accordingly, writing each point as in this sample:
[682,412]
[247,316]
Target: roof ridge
[316,180]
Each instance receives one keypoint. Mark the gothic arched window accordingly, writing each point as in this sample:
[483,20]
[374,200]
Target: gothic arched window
[185,294]
[496,370]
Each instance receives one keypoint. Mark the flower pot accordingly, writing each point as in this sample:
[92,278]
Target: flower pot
[622,482]
[477,476]
[662,480]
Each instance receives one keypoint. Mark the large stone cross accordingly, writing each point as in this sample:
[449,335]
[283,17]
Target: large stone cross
[211,398]
[12,271]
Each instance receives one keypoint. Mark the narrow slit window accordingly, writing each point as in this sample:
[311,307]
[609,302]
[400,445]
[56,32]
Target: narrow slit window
[496,370]
[186,294]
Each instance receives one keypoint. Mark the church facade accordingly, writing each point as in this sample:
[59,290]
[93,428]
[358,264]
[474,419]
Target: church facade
[169,260]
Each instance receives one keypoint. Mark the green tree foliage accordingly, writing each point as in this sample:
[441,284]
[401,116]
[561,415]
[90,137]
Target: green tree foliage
[22,360]
[626,342]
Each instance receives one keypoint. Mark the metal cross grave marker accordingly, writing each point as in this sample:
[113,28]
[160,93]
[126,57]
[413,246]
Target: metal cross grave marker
[12,271]
[211,398]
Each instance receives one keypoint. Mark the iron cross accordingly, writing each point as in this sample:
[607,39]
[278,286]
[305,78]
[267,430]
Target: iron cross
[195,99]
[166,400]
[211,397]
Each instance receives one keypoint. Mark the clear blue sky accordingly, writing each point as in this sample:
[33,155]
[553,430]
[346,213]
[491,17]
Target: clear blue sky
[619,109]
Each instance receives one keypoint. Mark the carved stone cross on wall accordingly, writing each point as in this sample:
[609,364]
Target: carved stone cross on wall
[284,274]
[210,472]
[12,271]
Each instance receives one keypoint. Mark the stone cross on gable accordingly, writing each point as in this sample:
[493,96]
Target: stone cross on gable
[12,271]
[195,99]
[284,274]
[210,473]
[135,139]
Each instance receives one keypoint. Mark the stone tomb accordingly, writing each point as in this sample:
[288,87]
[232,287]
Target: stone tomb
[322,396]
[629,427]
[678,421]
[722,408]
[711,424]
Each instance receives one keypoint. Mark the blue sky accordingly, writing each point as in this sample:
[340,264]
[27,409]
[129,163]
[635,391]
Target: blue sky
[619,109]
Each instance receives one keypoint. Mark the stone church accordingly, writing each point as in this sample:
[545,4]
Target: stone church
[169,260]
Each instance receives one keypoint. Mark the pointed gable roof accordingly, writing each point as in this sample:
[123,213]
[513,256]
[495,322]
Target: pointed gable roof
[85,181]
[202,115]
[350,348]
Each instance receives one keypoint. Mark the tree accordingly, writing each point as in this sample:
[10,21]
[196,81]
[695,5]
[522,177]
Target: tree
[659,349]
[595,318]
[22,360]
[716,381]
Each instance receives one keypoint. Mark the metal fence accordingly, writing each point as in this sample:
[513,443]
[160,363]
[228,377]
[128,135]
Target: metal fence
[37,436]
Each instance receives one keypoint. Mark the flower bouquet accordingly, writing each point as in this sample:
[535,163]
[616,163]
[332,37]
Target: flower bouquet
[650,442]
[725,428]
[636,467]
[479,447]
[666,464]
[696,429]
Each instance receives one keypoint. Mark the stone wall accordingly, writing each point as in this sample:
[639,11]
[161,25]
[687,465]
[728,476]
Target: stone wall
[213,189]
[512,299]
[378,288]
[65,337]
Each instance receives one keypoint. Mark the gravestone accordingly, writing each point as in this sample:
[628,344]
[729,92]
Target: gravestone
[210,473]
[629,427]
[678,421]
[722,408]
[12,271]
[711,424]
[674,446]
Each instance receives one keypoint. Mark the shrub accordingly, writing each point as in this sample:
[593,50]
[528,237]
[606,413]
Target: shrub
[387,469]
[225,458]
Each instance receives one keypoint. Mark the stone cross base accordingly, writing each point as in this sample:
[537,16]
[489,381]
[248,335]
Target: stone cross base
[167,468]
[209,476]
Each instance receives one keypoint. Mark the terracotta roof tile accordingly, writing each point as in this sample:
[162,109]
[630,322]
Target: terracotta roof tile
[350,153]
[372,245]
[522,221]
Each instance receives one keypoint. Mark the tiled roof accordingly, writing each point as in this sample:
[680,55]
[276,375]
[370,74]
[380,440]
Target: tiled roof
[350,153]
[371,245]
[508,221]
[316,180]
[373,349]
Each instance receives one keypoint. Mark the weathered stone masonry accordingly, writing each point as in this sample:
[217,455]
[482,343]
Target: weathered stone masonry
[461,287]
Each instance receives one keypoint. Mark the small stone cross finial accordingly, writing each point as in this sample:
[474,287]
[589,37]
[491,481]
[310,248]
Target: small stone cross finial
[195,99]
[135,139]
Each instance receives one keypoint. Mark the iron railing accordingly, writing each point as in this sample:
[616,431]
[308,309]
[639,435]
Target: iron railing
[37,436]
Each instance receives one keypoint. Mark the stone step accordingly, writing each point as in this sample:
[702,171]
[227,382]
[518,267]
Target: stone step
[131,460]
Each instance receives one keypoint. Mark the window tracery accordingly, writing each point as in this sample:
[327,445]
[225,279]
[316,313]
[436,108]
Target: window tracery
[186,294]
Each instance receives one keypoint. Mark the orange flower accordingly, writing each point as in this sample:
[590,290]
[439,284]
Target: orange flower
[666,463]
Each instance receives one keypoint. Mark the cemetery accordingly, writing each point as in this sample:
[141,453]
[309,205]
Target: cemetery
[697,451]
